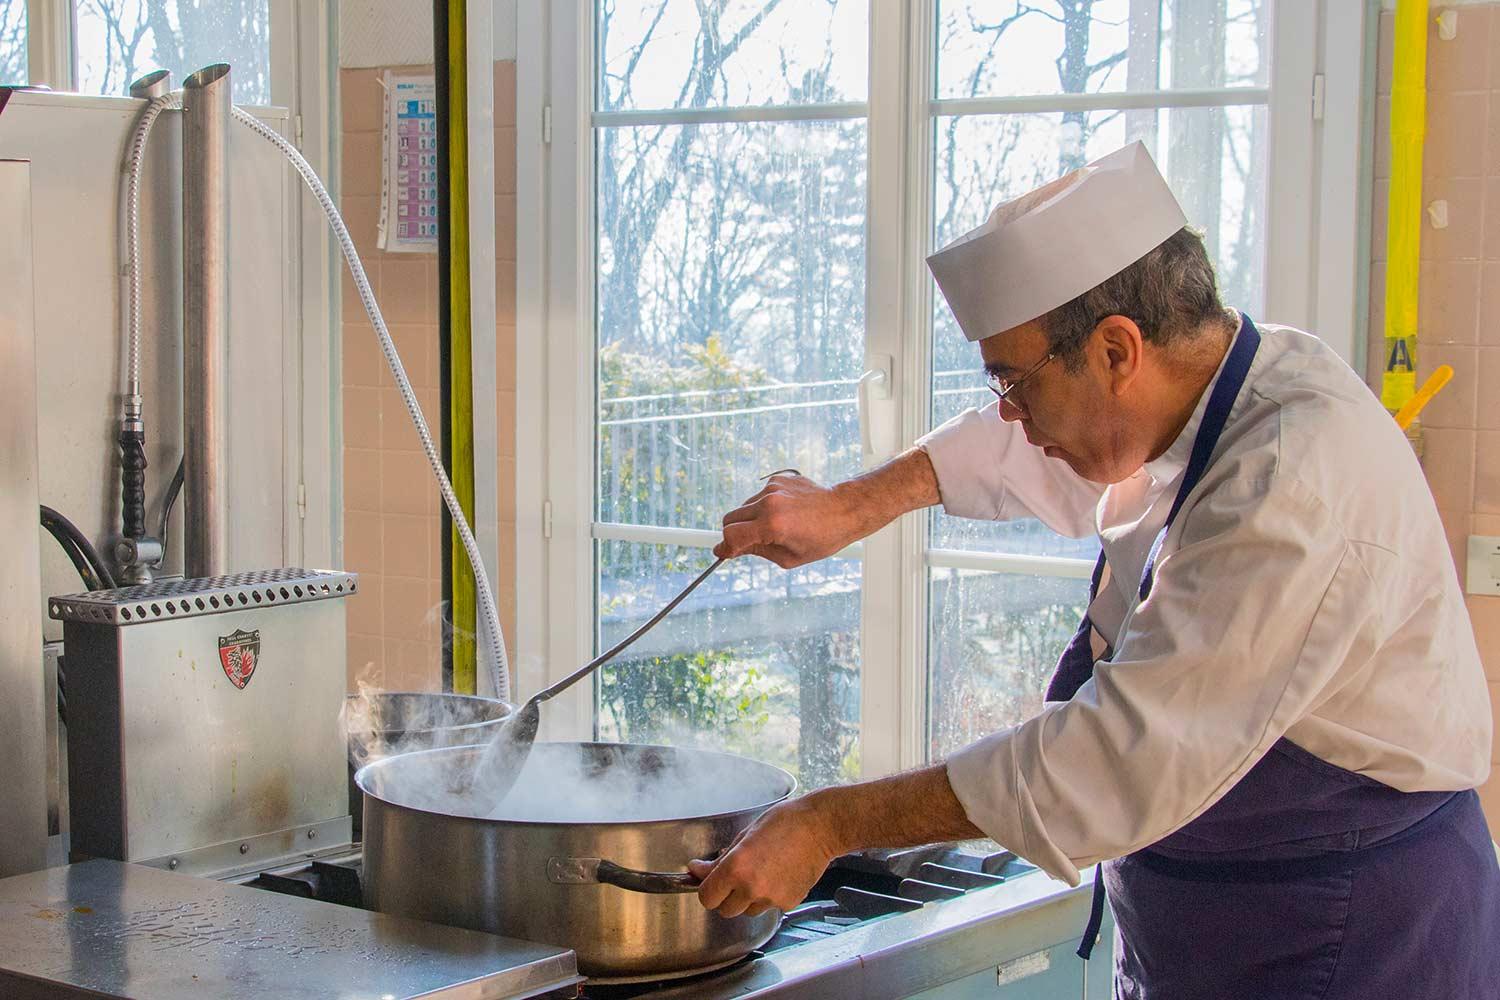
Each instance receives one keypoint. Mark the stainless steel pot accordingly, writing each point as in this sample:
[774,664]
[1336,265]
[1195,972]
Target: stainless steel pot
[615,891]
[382,723]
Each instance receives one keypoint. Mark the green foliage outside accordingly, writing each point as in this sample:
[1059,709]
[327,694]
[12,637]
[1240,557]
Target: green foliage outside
[710,696]
[750,698]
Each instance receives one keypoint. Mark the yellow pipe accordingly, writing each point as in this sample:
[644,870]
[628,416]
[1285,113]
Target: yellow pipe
[461,348]
[1404,226]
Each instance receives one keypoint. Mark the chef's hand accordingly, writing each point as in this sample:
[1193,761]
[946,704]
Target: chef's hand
[772,865]
[793,521]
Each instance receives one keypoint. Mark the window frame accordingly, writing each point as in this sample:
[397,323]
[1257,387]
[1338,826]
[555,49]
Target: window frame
[1314,147]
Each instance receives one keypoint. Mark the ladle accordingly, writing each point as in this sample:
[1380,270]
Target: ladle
[500,764]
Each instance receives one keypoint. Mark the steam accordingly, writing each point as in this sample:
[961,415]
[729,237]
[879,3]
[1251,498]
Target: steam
[440,741]
[379,724]
[585,783]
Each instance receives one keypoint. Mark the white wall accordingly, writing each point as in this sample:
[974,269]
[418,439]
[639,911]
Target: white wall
[399,32]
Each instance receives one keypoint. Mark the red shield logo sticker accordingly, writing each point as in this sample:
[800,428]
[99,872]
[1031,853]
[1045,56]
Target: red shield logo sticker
[239,652]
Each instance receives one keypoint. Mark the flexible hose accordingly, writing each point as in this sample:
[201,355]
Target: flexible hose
[61,528]
[499,665]
[86,572]
[134,158]
[166,505]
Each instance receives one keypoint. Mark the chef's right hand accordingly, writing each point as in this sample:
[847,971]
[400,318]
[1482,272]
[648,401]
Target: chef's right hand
[792,521]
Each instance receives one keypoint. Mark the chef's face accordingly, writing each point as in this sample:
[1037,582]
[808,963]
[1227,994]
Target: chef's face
[1073,410]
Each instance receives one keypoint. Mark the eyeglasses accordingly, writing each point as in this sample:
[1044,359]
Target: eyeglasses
[1003,387]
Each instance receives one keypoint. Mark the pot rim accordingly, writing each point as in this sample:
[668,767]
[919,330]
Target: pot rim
[360,777]
[505,710]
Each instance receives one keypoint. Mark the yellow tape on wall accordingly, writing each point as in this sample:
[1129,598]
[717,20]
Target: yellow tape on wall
[1404,233]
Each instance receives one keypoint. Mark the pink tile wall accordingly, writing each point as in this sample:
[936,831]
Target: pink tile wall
[1459,305]
[391,523]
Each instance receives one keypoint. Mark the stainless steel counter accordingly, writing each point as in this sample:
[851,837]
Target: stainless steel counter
[1010,942]
[102,928]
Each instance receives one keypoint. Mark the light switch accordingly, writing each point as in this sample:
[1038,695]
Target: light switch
[1484,565]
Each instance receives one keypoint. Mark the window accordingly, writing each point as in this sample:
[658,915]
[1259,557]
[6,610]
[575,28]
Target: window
[102,46]
[13,44]
[730,285]
[730,223]
[119,41]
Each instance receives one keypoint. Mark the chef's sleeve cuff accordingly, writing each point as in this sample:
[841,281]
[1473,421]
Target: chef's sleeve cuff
[986,780]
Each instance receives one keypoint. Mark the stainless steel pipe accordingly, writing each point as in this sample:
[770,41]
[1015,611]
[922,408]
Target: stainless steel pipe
[157,83]
[205,318]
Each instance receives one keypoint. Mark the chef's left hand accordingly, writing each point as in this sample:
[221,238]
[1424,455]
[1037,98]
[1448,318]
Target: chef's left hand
[772,865]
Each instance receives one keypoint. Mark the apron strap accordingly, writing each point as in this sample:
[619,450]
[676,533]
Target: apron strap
[1076,665]
[1215,416]
[1096,916]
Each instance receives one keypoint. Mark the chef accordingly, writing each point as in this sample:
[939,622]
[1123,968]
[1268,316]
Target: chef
[1270,724]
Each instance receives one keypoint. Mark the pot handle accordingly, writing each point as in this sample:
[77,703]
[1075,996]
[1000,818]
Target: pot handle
[595,871]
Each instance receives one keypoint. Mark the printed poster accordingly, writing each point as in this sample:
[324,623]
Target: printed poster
[408,183]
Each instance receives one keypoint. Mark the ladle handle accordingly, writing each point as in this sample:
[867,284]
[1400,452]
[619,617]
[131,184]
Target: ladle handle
[590,871]
[619,647]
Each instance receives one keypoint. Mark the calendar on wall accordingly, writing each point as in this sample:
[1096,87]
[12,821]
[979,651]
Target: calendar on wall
[409,178]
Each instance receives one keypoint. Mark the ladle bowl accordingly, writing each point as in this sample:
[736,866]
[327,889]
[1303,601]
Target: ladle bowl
[497,769]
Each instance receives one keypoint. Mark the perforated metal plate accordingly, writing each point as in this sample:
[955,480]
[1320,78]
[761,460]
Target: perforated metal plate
[189,598]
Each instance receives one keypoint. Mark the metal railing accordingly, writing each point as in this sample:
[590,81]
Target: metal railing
[682,459]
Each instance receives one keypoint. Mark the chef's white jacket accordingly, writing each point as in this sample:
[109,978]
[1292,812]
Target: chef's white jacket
[1305,590]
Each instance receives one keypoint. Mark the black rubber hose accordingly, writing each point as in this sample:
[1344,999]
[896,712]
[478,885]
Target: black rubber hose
[54,523]
[85,571]
[133,483]
[166,506]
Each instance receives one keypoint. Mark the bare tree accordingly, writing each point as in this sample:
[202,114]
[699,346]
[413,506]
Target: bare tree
[123,36]
[237,32]
[13,44]
[639,180]
[181,36]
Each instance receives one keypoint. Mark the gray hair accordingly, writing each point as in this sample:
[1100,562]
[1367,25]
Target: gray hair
[1170,293]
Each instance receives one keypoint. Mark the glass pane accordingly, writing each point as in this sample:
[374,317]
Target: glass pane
[994,641]
[13,44]
[1213,158]
[1002,48]
[119,41]
[758,661]
[730,312]
[689,54]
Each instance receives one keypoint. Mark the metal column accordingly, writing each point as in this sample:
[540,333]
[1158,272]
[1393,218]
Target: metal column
[23,818]
[205,317]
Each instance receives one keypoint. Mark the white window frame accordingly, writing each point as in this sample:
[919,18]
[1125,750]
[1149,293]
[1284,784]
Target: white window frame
[1313,220]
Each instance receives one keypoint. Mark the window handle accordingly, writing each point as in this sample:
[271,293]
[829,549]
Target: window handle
[875,383]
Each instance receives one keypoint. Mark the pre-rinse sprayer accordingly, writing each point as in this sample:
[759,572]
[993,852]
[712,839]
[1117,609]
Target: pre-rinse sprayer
[136,553]
[489,614]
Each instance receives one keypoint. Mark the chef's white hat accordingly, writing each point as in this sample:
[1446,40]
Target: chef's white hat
[1048,247]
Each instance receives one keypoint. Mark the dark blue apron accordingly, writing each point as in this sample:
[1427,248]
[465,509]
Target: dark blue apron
[1305,880]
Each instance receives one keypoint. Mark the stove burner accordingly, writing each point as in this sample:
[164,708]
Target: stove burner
[856,888]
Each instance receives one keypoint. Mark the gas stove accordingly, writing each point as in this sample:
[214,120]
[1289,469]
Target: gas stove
[938,921]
